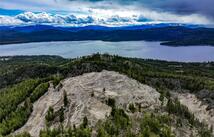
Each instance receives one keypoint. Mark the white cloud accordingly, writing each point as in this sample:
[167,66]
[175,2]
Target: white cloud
[109,18]
[103,11]
[45,18]
[36,18]
[144,14]
[7,20]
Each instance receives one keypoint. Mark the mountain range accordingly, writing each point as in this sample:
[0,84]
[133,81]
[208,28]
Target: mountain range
[167,34]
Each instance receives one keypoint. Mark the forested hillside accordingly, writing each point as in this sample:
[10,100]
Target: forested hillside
[24,79]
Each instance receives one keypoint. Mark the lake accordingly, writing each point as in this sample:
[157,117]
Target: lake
[139,49]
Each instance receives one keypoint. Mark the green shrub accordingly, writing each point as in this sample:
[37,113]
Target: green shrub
[111,102]
[132,108]
[39,91]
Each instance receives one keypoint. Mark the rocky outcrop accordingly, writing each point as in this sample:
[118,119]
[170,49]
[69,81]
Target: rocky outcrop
[87,95]
[198,108]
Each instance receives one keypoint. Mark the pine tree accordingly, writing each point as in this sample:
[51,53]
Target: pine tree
[61,116]
[85,122]
[65,99]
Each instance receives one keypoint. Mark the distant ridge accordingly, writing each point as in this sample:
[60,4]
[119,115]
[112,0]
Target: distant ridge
[169,34]
[38,27]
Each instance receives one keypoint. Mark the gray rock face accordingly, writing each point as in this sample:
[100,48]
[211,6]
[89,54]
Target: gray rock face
[87,95]
[198,108]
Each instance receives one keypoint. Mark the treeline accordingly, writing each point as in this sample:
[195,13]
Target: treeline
[19,68]
[11,97]
[191,76]
[16,104]
[39,91]
[16,119]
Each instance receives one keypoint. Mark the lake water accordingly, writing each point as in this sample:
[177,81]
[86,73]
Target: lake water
[139,49]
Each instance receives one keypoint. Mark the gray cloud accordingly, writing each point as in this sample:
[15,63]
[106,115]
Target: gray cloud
[204,7]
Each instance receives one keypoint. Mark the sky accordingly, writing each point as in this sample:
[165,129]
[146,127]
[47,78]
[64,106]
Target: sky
[106,12]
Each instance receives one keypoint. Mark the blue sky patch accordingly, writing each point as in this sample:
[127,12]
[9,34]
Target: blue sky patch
[8,12]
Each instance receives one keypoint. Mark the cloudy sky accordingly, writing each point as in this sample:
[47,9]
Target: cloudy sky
[106,12]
